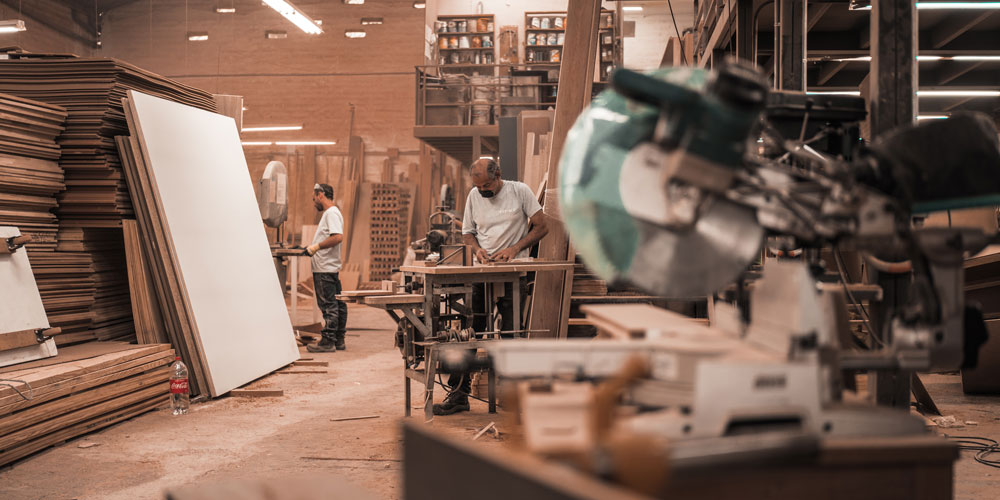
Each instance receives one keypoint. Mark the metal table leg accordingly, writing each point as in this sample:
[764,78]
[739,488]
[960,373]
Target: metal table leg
[492,379]
[430,370]
[406,390]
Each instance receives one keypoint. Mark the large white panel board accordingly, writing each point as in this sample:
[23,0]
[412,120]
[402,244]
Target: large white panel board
[207,203]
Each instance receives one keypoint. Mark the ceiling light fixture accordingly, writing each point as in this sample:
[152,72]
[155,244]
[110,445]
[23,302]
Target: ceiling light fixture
[632,8]
[257,143]
[833,92]
[958,93]
[296,16]
[269,128]
[932,117]
[856,5]
[355,33]
[197,36]
[419,5]
[919,58]
[305,143]
[354,2]
[12,26]
[275,34]
[365,21]
[225,10]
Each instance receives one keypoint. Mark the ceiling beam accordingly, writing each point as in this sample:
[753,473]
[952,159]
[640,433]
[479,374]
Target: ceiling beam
[958,103]
[829,70]
[953,70]
[952,28]
[815,13]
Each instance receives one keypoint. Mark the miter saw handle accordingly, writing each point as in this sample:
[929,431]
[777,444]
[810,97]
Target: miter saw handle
[649,90]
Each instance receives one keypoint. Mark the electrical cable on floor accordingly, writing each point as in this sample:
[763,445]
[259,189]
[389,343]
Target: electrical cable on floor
[450,390]
[680,41]
[7,382]
[984,447]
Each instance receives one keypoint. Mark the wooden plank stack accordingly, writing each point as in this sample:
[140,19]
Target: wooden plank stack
[85,388]
[88,295]
[30,181]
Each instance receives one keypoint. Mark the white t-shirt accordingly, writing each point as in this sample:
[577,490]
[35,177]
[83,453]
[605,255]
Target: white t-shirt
[327,260]
[500,221]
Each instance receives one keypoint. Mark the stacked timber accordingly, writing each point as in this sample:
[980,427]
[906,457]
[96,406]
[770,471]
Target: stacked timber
[30,181]
[92,301]
[85,388]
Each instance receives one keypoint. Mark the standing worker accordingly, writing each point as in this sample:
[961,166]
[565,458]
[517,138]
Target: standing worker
[502,221]
[325,253]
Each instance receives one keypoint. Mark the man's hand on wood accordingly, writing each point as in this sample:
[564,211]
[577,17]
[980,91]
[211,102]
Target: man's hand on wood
[505,255]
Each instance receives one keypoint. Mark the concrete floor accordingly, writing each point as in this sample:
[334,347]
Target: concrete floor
[233,438]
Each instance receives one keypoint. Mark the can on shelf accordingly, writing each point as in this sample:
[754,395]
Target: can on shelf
[463,42]
[452,26]
[461,26]
[453,42]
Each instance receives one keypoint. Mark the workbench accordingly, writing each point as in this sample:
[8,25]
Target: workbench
[421,315]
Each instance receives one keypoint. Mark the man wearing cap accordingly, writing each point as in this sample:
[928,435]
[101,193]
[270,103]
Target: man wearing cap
[502,221]
[325,252]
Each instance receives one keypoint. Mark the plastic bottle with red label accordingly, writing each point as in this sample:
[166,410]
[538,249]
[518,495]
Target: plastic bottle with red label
[180,399]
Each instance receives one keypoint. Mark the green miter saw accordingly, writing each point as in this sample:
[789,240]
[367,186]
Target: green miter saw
[645,172]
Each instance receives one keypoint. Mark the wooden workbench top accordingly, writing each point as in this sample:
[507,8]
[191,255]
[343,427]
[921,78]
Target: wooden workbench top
[506,267]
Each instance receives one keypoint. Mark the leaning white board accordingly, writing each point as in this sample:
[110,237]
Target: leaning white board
[20,303]
[207,202]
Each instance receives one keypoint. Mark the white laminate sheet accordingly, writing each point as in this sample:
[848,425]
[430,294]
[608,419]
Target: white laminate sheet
[20,303]
[206,200]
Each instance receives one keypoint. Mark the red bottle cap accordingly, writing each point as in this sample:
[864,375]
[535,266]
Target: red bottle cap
[178,357]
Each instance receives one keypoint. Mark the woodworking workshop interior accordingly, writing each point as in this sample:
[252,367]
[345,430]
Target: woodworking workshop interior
[499,249]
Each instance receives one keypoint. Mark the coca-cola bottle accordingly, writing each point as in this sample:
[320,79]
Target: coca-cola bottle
[180,400]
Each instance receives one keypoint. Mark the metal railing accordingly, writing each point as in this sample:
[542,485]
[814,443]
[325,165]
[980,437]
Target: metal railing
[479,94]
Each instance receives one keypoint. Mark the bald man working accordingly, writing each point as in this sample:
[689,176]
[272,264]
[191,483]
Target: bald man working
[502,221]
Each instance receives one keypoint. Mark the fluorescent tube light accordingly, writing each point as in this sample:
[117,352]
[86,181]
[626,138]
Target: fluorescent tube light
[932,117]
[958,93]
[257,143]
[632,8]
[275,34]
[270,128]
[419,5]
[296,16]
[919,58]
[197,36]
[12,26]
[944,6]
[225,10]
[354,2]
[920,93]
[834,92]
[305,143]
[975,58]
[365,21]
[355,33]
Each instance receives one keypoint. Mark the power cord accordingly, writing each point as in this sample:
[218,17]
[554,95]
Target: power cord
[984,447]
[7,382]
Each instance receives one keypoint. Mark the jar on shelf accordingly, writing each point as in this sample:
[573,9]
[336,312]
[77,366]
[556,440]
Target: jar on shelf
[443,42]
[461,26]
[561,38]
[477,42]
[455,58]
[452,26]
[489,26]
[557,22]
[553,39]
[546,23]
[440,26]
[463,42]
[532,40]
[487,41]
[481,24]
[478,59]
[488,58]
[554,55]
[536,22]
[453,42]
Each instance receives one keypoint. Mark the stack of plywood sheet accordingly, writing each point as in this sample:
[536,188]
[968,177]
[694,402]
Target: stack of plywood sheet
[30,181]
[83,389]
[89,262]
[202,235]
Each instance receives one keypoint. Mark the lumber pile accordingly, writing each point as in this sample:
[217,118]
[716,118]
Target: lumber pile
[30,181]
[83,389]
[84,283]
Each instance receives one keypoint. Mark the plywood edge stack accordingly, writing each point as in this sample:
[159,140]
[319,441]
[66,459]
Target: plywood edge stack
[87,387]
[156,249]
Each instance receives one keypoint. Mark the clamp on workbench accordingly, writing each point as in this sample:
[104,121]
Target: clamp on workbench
[13,243]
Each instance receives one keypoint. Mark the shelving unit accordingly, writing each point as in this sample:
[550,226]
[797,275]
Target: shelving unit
[458,49]
[540,27]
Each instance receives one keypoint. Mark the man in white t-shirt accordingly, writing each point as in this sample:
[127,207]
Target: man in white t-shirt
[502,221]
[325,252]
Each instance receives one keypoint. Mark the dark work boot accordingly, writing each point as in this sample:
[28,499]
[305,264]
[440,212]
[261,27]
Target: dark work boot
[339,342]
[324,345]
[455,402]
